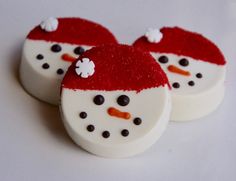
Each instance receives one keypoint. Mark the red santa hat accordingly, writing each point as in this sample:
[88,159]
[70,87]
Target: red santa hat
[73,31]
[114,67]
[181,42]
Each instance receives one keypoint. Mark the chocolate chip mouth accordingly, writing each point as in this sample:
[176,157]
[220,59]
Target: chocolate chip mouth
[106,133]
[45,66]
[60,71]
[39,57]
[176,85]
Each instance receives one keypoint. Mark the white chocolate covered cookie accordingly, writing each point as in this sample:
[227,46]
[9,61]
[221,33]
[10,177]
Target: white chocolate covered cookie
[51,47]
[195,68]
[115,101]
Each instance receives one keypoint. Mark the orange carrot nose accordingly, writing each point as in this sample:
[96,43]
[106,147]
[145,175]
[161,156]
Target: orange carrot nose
[177,70]
[117,113]
[67,57]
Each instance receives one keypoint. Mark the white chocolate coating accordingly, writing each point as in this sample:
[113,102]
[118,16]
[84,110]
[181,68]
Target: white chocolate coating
[193,102]
[44,84]
[153,106]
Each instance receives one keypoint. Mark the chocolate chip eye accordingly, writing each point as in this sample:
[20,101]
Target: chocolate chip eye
[79,50]
[123,100]
[163,59]
[56,48]
[98,100]
[184,62]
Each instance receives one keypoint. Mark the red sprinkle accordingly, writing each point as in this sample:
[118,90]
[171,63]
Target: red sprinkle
[117,67]
[181,42]
[75,31]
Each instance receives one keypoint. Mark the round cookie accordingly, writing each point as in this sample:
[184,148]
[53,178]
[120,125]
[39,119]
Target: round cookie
[51,47]
[194,66]
[115,101]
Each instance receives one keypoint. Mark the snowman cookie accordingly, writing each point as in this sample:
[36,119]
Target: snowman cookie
[195,68]
[115,101]
[51,47]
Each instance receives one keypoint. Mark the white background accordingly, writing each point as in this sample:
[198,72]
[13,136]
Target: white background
[33,142]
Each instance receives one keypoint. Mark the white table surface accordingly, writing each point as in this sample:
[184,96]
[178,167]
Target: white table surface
[33,142]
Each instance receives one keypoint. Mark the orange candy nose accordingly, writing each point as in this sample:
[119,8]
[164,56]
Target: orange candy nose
[67,57]
[177,70]
[117,113]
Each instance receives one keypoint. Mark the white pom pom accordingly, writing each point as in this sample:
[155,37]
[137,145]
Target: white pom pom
[154,35]
[85,68]
[49,24]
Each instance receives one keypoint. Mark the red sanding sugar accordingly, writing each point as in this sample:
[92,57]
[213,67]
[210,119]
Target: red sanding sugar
[75,31]
[181,42]
[117,67]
